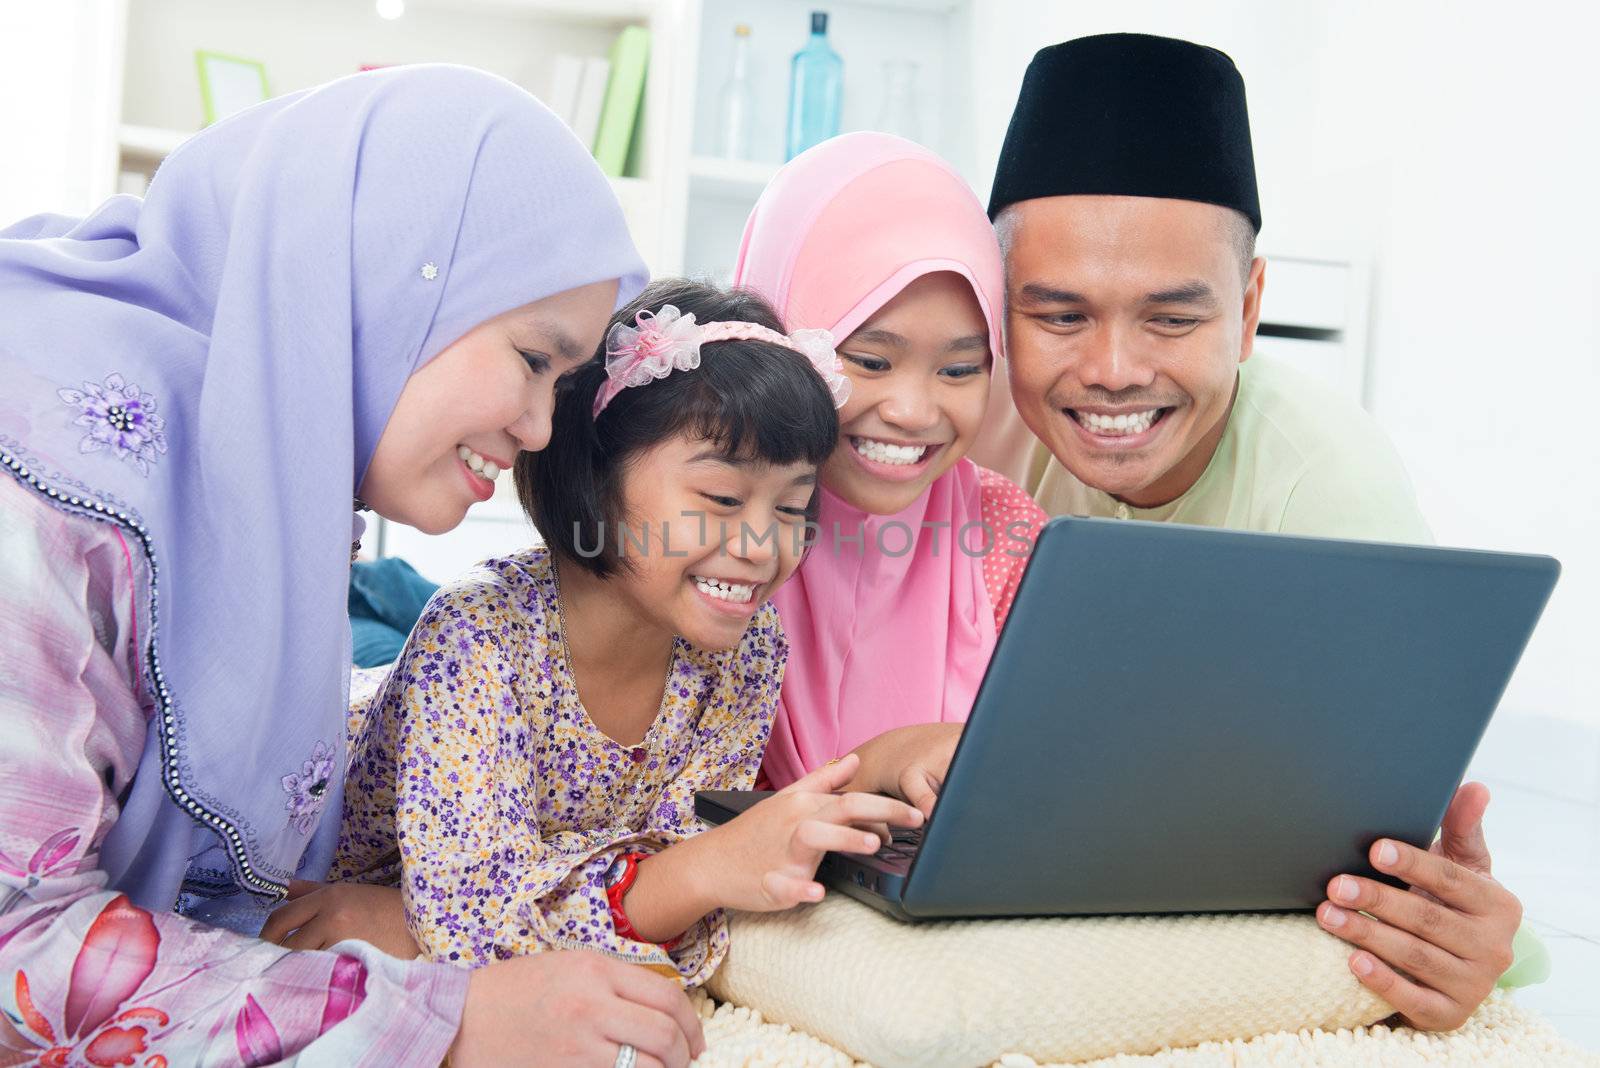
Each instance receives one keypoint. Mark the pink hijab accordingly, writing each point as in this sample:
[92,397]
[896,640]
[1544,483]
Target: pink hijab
[877,639]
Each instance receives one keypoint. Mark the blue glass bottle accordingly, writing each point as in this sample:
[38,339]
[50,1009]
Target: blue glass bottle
[816,90]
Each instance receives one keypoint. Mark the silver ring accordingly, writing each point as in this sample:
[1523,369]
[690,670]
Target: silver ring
[626,1055]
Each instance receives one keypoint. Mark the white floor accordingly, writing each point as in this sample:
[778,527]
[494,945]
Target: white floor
[1544,835]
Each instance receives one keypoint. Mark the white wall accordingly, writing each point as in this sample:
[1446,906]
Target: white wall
[59,64]
[1459,147]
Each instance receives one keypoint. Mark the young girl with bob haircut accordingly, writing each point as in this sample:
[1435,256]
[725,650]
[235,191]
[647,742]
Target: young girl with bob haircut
[529,768]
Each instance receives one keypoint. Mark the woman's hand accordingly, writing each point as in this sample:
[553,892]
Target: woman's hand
[908,762]
[767,856]
[556,1007]
[574,1007]
[318,915]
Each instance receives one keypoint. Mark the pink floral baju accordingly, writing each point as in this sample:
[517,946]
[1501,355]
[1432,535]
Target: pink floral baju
[86,976]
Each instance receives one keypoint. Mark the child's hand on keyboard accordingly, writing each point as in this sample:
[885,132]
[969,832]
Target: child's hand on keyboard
[768,855]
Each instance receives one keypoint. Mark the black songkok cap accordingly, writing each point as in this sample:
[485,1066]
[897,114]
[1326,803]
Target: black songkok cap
[1127,114]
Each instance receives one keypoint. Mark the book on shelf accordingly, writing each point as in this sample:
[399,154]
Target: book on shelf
[566,75]
[590,105]
[630,57]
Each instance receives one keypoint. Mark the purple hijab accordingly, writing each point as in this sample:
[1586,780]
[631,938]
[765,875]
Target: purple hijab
[210,369]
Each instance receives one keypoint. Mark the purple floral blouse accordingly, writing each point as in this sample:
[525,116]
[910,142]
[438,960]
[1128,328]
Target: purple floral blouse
[86,976]
[479,782]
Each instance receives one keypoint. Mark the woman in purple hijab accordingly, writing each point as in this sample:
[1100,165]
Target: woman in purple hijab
[365,290]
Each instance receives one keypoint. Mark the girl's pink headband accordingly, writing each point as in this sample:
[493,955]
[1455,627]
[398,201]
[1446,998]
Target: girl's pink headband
[668,341]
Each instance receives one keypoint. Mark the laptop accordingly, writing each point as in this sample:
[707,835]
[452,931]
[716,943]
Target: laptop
[1184,719]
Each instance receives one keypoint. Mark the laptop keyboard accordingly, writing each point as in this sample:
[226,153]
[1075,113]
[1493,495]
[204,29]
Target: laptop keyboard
[903,844]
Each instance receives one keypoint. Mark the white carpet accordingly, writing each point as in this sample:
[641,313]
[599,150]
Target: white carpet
[1500,1033]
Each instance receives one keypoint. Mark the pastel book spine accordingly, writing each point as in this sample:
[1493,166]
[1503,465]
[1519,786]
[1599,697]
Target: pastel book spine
[591,99]
[566,77]
[630,57]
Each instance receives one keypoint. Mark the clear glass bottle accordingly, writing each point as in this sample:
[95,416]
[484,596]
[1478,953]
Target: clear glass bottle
[816,90]
[736,103]
[899,114]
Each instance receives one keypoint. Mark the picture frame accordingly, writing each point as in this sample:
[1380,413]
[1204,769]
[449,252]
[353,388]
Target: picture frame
[229,84]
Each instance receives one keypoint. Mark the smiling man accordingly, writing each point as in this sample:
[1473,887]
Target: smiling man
[1126,203]
[1125,200]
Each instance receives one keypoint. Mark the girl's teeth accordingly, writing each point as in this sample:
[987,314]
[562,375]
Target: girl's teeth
[734,592]
[884,453]
[487,468]
[1125,425]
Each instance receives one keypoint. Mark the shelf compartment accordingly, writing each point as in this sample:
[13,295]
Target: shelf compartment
[729,179]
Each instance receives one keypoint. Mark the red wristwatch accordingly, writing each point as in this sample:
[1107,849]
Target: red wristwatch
[619,880]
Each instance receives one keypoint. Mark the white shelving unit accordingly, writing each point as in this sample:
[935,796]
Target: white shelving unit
[306,42]
[715,178]
[1314,313]
[867,34]
[146,146]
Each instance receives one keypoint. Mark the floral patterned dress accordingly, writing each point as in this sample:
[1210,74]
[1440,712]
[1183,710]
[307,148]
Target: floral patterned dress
[482,786]
[86,976]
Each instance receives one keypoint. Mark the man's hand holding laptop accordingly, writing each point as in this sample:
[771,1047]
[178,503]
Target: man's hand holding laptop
[1434,951]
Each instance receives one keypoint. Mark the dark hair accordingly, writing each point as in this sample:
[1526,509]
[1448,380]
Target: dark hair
[754,400]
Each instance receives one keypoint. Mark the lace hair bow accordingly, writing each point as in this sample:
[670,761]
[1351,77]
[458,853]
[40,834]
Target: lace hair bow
[668,341]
